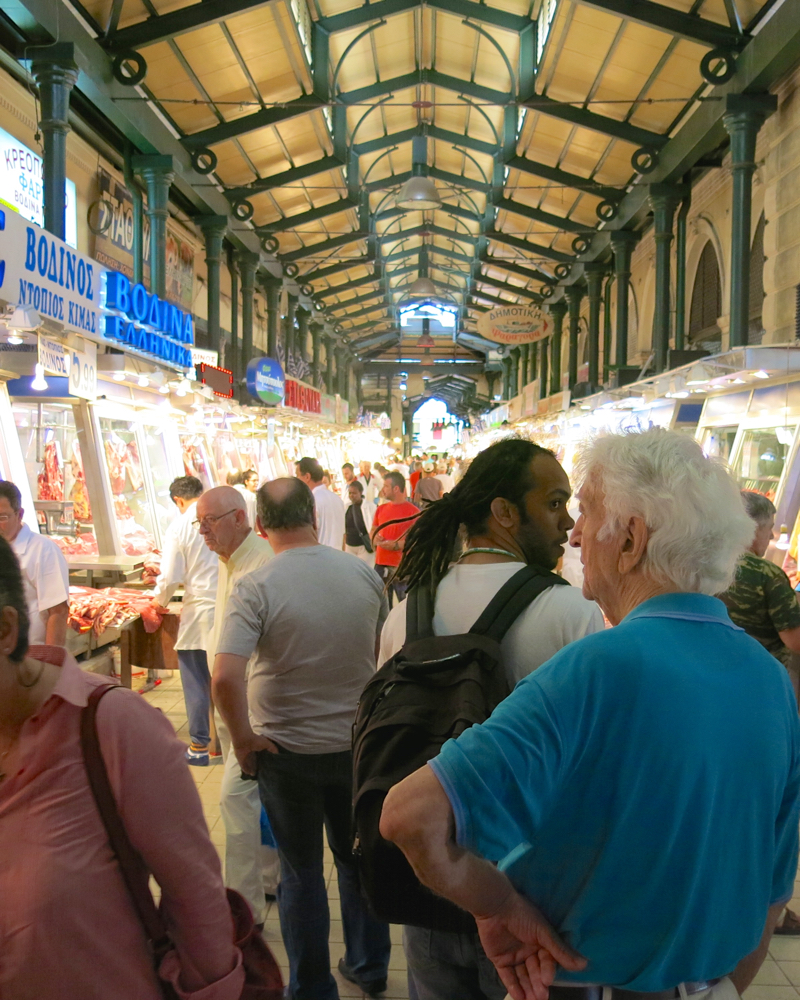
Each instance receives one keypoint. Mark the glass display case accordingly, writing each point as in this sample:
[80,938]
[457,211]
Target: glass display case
[226,457]
[717,442]
[161,446]
[197,458]
[134,506]
[761,458]
[54,466]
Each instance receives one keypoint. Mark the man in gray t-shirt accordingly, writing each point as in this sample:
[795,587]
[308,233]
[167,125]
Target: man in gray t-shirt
[313,617]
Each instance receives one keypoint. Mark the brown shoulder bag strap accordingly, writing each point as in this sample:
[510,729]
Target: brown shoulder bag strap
[130,862]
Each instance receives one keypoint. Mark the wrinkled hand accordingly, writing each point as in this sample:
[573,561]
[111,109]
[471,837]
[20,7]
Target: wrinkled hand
[525,949]
[246,752]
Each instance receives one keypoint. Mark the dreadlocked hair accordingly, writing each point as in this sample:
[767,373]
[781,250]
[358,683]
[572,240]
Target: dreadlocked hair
[502,470]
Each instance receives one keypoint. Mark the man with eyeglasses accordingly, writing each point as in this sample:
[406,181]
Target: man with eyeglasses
[187,561]
[222,522]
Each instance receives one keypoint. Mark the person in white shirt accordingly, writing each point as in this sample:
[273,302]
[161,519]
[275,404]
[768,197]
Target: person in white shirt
[371,481]
[44,571]
[444,477]
[246,483]
[250,868]
[186,560]
[329,507]
[512,505]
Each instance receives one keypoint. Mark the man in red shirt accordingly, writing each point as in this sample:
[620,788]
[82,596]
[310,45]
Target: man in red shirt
[389,540]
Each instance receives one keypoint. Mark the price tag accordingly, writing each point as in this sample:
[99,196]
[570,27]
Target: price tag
[83,371]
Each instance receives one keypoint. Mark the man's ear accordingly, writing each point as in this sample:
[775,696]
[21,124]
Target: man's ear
[504,512]
[9,630]
[634,545]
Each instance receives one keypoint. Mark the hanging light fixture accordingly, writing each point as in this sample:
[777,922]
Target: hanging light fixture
[422,287]
[38,384]
[419,193]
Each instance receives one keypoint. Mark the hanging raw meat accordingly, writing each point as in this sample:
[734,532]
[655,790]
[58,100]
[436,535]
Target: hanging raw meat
[134,467]
[50,481]
[116,459]
[83,545]
[82,510]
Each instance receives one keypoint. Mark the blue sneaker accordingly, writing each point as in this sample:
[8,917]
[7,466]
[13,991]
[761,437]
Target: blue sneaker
[197,756]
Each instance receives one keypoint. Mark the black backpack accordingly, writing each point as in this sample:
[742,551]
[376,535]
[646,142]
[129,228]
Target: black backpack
[433,689]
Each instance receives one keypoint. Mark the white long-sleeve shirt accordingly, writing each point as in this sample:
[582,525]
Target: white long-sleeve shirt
[187,560]
[330,517]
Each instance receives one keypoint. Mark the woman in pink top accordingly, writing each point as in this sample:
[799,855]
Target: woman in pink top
[67,927]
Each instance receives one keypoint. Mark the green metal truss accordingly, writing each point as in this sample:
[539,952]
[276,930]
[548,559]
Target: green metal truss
[323,247]
[313,215]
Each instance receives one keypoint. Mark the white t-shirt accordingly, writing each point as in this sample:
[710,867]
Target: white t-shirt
[250,503]
[45,577]
[557,617]
[330,517]
[447,481]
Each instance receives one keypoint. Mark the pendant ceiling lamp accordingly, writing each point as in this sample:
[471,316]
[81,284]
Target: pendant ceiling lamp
[419,193]
[422,288]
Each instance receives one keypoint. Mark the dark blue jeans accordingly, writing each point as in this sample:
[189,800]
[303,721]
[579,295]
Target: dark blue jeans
[303,793]
[196,682]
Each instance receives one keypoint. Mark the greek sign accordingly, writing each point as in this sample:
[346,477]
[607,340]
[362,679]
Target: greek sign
[145,322]
[53,357]
[22,185]
[514,325]
[265,380]
[303,397]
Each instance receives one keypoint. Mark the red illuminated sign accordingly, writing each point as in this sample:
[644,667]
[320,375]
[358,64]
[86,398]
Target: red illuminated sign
[219,380]
[302,397]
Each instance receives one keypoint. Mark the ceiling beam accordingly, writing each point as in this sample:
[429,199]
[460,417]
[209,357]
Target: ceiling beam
[457,180]
[675,22]
[534,249]
[357,301]
[343,265]
[313,215]
[596,123]
[401,255]
[323,247]
[161,27]
[452,254]
[532,274]
[506,286]
[528,212]
[477,293]
[448,234]
[346,285]
[387,182]
[564,178]
[461,8]
[252,122]
[366,311]
[291,176]
[395,367]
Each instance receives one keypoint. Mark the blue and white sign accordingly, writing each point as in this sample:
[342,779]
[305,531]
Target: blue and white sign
[265,380]
[22,186]
[145,322]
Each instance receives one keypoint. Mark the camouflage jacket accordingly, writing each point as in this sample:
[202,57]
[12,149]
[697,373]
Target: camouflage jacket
[762,602]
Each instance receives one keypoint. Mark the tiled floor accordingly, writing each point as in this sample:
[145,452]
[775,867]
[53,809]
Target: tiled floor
[778,979]
[168,696]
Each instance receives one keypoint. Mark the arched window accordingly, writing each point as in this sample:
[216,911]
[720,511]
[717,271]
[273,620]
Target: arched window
[706,302]
[755,330]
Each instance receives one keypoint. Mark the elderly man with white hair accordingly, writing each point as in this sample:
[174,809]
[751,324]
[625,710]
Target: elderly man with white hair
[626,822]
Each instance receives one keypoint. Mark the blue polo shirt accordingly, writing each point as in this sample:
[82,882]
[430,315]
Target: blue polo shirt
[642,789]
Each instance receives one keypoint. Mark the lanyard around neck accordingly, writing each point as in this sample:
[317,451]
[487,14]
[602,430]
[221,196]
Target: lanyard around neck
[494,552]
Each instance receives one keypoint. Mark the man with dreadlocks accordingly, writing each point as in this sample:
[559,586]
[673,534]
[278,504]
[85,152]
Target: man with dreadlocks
[511,506]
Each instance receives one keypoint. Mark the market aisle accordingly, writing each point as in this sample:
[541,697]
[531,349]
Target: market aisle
[168,696]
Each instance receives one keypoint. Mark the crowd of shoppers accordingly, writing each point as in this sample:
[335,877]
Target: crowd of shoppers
[593,826]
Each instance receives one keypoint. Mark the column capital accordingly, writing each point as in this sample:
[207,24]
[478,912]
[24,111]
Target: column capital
[558,308]
[247,262]
[664,198]
[54,64]
[748,108]
[212,225]
[153,166]
[574,294]
[594,271]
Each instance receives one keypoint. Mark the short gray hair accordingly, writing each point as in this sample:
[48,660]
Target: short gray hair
[690,504]
[759,508]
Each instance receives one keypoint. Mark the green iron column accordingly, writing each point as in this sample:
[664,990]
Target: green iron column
[491,378]
[389,400]
[316,337]
[303,316]
[664,199]
[543,369]
[558,310]
[514,372]
[213,228]
[359,373]
[533,361]
[232,359]
[272,293]
[524,360]
[607,328]
[55,72]
[330,388]
[622,243]
[506,379]
[289,339]
[595,272]
[248,262]
[157,173]
[574,295]
[744,116]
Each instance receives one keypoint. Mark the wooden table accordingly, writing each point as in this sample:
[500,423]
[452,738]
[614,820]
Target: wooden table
[148,650]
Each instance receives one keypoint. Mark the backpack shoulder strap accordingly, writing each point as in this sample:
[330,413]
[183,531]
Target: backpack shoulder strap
[511,600]
[419,614]
[127,856]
